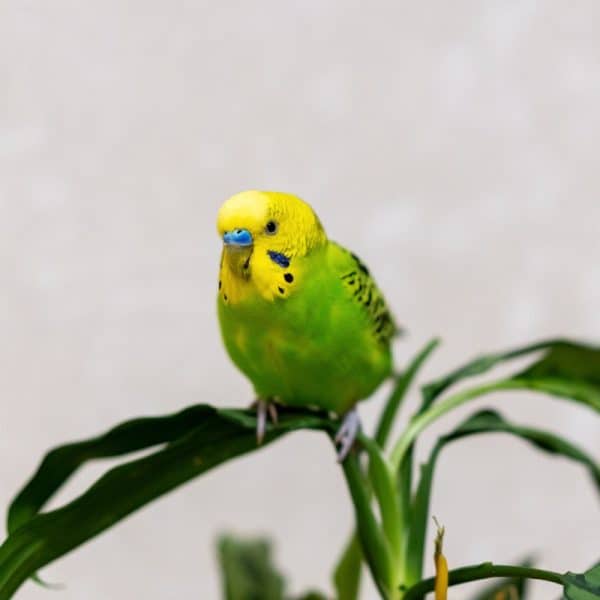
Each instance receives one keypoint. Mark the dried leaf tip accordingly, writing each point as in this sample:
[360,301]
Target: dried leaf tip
[441,565]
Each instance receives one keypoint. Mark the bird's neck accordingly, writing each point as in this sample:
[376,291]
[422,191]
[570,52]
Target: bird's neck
[250,274]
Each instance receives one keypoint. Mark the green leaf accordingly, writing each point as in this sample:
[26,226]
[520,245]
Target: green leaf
[483,571]
[59,464]
[477,366]
[584,586]
[512,587]
[312,595]
[382,479]
[485,421]
[346,576]
[404,478]
[568,370]
[247,570]
[218,436]
[398,394]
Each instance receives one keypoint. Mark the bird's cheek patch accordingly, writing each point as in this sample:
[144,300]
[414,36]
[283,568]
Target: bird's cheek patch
[279,259]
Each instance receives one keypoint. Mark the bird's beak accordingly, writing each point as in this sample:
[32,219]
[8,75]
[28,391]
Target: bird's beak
[237,237]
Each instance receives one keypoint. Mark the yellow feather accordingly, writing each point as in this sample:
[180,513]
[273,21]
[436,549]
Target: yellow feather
[299,231]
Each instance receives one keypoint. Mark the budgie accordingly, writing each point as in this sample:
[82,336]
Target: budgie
[300,315]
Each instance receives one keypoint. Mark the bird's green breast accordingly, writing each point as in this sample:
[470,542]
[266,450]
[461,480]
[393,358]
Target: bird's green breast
[315,344]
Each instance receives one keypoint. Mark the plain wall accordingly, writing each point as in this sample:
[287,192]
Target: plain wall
[452,145]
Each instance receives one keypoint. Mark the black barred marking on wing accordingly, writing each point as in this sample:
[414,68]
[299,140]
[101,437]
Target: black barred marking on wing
[365,291]
[360,264]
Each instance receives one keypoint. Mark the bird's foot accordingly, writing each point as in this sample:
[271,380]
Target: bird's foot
[264,408]
[346,435]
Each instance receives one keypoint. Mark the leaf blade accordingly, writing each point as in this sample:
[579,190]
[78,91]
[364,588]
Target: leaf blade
[220,436]
[347,573]
[247,570]
[485,421]
[584,586]
[61,463]
[398,394]
[477,366]
[567,368]
[382,480]
[520,585]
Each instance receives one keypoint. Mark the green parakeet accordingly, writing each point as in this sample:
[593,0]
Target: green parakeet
[300,315]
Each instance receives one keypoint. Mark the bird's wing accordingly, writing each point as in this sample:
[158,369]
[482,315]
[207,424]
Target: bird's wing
[363,290]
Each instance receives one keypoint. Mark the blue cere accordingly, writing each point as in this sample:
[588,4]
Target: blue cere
[280,259]
[237,237]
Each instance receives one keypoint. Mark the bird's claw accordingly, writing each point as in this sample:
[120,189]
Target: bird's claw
[346,435]
[272,410]
[264,408]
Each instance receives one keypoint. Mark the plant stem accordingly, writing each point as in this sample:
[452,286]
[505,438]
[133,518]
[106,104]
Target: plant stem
[483,571]
[384,426]
[374,544]
[382,433]
[437,410]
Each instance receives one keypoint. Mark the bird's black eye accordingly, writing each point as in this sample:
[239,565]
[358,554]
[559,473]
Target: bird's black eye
[271,227]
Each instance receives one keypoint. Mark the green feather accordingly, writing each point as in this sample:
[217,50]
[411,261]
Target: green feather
[323,340]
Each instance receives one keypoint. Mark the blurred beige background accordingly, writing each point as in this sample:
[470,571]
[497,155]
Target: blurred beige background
[453,146]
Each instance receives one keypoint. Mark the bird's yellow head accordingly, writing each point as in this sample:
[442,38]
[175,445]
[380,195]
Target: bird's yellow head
[269,222]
